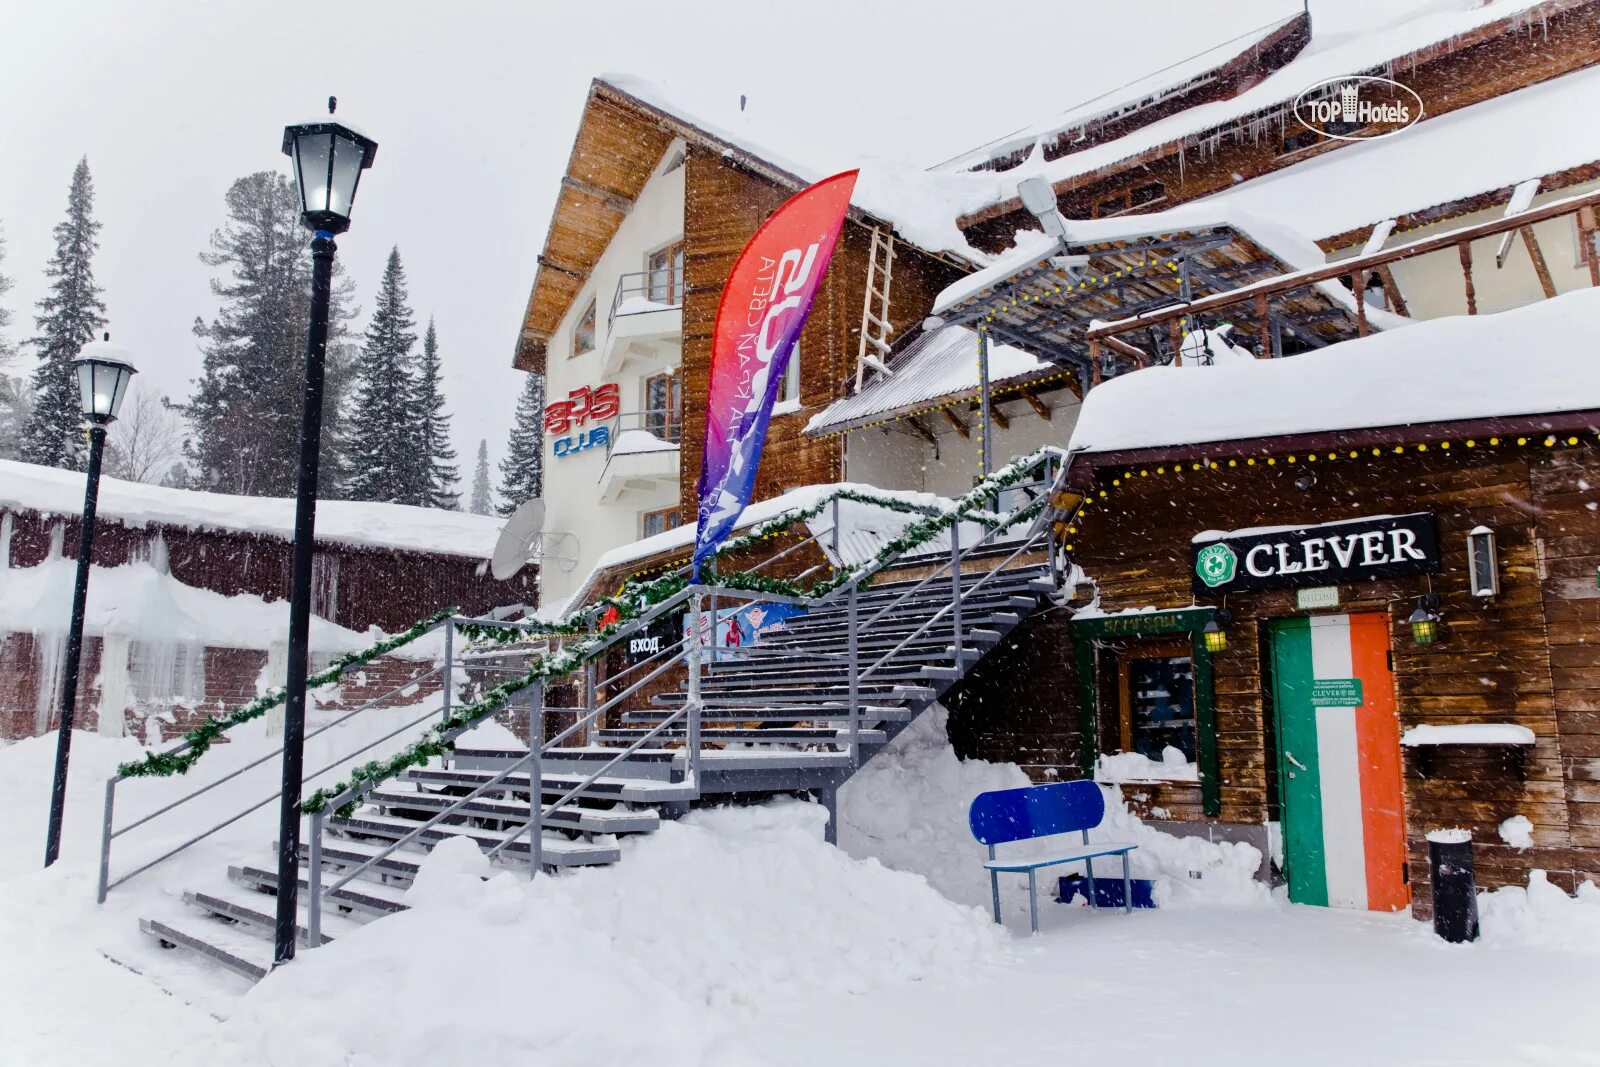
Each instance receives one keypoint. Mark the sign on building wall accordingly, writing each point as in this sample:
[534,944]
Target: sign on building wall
[583,404]
[1384,546]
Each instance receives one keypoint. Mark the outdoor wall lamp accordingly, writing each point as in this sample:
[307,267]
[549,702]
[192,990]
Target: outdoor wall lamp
[1483,569]
[1425,620]
[1215,635]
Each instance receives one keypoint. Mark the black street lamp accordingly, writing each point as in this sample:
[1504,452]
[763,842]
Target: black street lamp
[328,160]
[103,374]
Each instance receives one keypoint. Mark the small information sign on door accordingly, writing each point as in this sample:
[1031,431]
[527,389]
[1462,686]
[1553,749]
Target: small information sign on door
[1336,693]
[1317,596]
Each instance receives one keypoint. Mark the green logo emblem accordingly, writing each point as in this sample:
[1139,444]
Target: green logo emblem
[1216,565]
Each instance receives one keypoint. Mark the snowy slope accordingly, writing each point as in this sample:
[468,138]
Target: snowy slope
[399,526]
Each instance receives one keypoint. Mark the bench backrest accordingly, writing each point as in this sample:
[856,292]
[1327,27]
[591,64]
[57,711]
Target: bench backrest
[1035,811]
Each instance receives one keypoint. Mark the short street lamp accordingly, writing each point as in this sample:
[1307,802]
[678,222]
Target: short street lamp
[103,374]
[328,160]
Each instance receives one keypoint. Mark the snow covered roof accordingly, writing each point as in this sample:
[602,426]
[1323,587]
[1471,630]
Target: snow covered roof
[1378,48]
[916,202]
[1441,370]
[24,486]
[1489,146]
[937,364]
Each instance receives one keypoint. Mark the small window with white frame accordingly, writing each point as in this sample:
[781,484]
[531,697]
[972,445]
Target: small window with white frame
[789,388]
[664,275]
[657,522]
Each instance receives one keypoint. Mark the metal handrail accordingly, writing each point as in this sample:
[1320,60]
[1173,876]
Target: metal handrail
[643,283]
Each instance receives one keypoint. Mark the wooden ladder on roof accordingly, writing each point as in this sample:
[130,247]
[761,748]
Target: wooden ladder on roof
[873,351]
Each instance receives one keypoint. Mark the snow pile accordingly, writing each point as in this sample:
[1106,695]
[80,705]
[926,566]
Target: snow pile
[908,808]
[1137,767]
[704,922]
[135,505]
[631,442]
[1517,832]
[1429,372]
[1542,916]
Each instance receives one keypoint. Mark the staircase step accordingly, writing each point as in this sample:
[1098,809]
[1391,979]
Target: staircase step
[831,712]
[631,790]
[374,898]
[217,940]
[557,851]
[663,765]
[733,681]
[585,820]
[344,853]
[774,736]
[262,919]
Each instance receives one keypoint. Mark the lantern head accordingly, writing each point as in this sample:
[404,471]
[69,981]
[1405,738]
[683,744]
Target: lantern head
[328,160]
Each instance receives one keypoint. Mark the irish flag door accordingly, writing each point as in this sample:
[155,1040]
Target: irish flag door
[1339,762]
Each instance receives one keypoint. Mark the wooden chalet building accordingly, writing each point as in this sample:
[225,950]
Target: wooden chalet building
[1269,349]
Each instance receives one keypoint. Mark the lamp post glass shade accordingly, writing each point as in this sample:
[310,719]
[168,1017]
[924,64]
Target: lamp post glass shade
[103,374]
[328,160]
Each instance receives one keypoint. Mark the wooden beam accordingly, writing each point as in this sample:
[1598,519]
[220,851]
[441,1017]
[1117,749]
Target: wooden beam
[562,268]
[1303,278]
[1540,267]
[614,200]
[1138,355]
[955,420]
[1397,302]
[1360,285]
[1039,407]
[998,417]
[1590,254]
[921,431]
[1264,325]
[1464,249]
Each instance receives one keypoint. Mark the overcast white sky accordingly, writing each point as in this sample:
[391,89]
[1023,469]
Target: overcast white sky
[474,105]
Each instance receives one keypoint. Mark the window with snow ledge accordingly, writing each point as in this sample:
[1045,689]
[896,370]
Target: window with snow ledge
[789,389]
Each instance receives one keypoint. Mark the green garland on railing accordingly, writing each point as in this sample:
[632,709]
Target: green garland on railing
[201,738]
[636,599]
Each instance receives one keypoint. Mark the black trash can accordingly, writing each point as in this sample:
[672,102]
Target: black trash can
[1455,885]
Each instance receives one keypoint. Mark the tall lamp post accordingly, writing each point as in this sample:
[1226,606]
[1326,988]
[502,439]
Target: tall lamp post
[328,160]
[103,374]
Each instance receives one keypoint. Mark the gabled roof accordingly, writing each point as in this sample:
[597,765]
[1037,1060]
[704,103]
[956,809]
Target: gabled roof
[627,126]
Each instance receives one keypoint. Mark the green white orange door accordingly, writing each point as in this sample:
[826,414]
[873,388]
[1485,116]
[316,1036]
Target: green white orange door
[1339,762]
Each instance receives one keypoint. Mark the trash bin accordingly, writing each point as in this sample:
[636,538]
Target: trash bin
[1455,885]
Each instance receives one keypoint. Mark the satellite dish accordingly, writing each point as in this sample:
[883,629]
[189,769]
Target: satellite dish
[519,540]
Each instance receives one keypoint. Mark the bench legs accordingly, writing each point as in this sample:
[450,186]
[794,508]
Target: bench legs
[1089,865]
[994,886]
[1127,887]
[1033,899]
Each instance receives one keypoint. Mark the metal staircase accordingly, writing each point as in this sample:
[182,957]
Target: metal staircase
[799,711]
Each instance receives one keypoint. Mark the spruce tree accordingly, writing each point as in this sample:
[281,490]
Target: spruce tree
[522,470]
[380,440]
[437,473]
[245,411]
[482,494]
[71,315]
[13,391]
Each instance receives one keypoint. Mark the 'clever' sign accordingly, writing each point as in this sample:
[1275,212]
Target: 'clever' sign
[1387,546]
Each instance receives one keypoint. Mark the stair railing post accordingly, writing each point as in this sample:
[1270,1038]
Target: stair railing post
[536,780]
[105,842]
[955,584]
[588,682]
[855,677]
[833,539]
[314,885]
[449,663]
[712,653]
[692,653]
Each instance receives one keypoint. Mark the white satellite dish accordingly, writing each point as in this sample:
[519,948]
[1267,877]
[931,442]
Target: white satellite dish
[519,540]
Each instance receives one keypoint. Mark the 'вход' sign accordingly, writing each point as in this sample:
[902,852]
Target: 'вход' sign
[1384,546]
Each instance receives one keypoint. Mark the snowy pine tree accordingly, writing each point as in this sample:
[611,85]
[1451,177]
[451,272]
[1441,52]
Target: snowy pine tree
[437,470]
[13,390]
[482,502]
[380,438]
[245,411]
[522,471]
[71,315]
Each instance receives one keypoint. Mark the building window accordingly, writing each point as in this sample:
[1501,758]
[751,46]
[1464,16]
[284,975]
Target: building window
[789,388]
[656,522]
[664,269]
[663,406]
[583,333]
[1297,138]
[1155,680]
[1148,193]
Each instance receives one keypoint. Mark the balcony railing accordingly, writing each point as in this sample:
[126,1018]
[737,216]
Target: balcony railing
[643,291]
[664,423]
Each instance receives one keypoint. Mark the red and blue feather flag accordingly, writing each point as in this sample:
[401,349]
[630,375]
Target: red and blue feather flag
[764,304]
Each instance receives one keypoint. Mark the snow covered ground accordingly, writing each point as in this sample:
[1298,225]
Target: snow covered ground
[736,937]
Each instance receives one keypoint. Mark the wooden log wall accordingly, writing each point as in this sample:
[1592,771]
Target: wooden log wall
[1530,655]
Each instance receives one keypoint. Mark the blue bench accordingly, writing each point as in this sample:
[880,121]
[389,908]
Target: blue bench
[1006,815]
